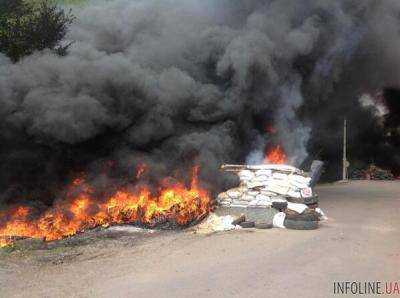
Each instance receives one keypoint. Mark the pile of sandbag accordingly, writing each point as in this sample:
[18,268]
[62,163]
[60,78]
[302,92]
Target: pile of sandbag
[286,189]
[262,185]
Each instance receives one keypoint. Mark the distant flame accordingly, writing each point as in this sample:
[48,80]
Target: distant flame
[140,170]
[82,211]
[276,155]
[270,129]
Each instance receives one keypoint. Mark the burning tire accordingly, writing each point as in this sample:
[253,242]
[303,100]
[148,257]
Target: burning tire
[310,215]
[239,220]
[247,224]
[300,224]
[313,206]
[263,225]
[307,201]
[279,205]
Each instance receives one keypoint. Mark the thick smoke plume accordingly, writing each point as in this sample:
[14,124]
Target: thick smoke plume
[177,82]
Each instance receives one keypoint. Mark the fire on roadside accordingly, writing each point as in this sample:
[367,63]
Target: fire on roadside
[80,211]
[275,155]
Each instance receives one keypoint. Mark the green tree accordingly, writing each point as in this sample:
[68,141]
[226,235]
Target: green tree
[27,27]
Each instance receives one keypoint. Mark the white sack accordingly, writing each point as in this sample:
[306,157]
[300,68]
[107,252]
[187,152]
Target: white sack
[278,189]
[238,205]
[263,197]
[253,193]
[323,216]
[280,183]
[275,167]
[299,208]
[261,178]
[234,193]
[247,198]
[266,192]
[300,179]
[278,200]
[294,194]
[278,220]
[266,173]
[279,176]
[306,192]
[297,184]
[255,184]
[246,175]
[223,196]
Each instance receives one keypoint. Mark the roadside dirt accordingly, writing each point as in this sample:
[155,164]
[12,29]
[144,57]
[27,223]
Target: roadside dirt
[360,241]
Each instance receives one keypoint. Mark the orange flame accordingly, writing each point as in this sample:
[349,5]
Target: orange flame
[141,168]
[177,203]
[270,129]
[276,155]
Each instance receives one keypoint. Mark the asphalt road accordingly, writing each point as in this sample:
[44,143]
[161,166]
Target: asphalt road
[360,242]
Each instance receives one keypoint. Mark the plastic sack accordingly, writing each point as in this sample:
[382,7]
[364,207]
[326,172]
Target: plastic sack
[278,220]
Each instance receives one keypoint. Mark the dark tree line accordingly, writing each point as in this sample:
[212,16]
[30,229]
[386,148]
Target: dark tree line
[26,28]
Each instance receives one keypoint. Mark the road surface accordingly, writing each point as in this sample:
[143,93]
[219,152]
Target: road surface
[360,241]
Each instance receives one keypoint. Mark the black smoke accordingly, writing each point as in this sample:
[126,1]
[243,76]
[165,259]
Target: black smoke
[175,83]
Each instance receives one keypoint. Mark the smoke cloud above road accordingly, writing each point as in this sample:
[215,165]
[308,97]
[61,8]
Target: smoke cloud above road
[175,83]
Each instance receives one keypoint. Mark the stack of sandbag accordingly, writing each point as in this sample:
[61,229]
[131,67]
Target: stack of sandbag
[262,185]
[285,189]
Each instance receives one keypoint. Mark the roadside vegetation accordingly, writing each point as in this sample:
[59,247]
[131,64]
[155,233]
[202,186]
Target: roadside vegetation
[26,27]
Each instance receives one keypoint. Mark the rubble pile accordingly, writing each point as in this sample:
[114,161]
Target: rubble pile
[285,189]
[372,173]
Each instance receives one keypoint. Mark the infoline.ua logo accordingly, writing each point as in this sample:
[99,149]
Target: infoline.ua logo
[366,288]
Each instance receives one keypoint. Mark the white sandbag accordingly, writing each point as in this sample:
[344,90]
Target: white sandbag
[255,184]
[246,175]
[239,203]
[263,197]
[264,203]
[244,181]
[234,193]
[215,223]
[278,199]
[225,204]
[259,206]
[294,194]
[261,178]
[247,198]
[267,193]
[278,189]
[281,183]
[234,205]
[320,212]
[278,220]
[297,184]
[285,168]
[266,173]
[222,196]
[299,208]
[253,203]
[253,193]
[306,192]
[300,179]
[279,176]
[259,203]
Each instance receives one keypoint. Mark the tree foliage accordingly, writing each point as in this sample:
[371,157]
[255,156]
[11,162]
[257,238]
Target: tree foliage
[26,28]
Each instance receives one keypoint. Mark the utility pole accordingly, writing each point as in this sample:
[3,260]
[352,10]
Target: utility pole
[345,162]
